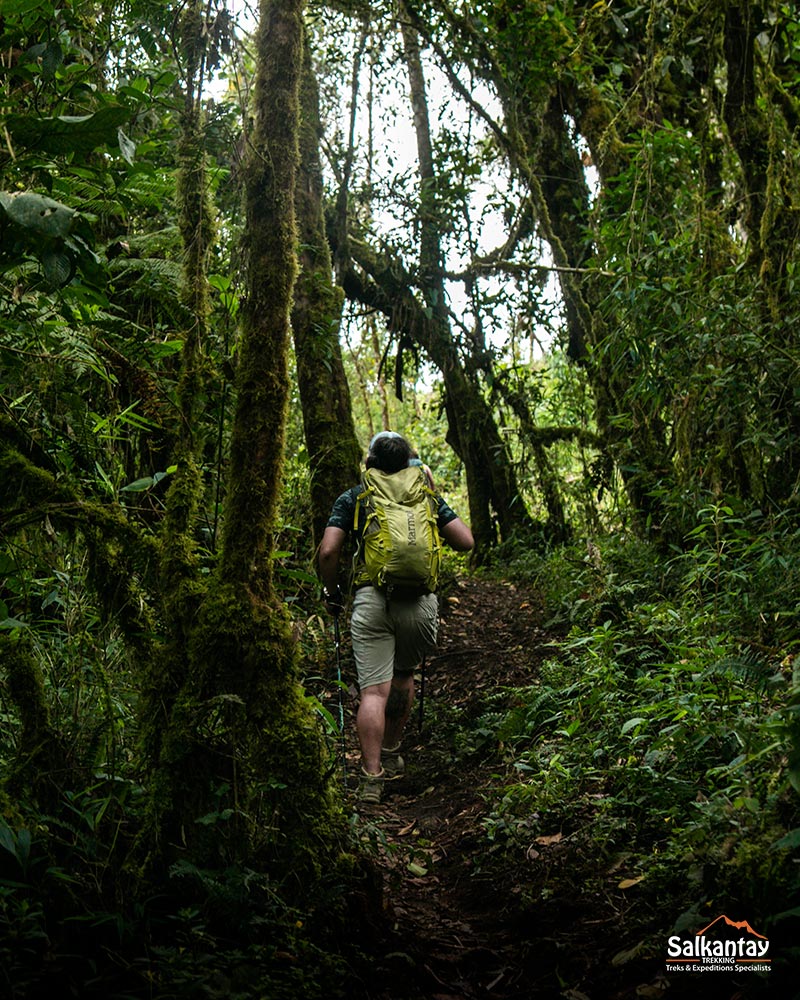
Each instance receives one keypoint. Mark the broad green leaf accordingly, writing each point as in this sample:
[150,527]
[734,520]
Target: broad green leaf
[24,841]
[138,485]
[221,282]
[7,840]
[37,214]
[68,134]
[9,623]
[58,267]
[165,349]
[52,58]
[22,6]
[789,842]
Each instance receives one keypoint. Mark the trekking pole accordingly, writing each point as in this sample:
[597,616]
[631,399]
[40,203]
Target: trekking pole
[337,644]
[421,694]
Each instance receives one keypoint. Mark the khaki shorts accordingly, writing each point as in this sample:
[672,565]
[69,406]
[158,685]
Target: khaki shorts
[393,641]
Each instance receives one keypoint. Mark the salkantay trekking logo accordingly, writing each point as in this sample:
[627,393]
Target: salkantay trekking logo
[725,945]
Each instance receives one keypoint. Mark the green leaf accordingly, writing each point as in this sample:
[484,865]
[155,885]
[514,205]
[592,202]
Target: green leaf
[126,146]
[331,724]
[58,267]
[148,42]
[219,281]
[37,214]
[632,724]
[9,623]
[24,841]
[789,842]
[165,349]
[138,485]
[7,840]
[68,133]
[52,58]
[21,6]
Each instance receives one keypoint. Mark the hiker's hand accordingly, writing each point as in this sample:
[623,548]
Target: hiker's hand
[334,600]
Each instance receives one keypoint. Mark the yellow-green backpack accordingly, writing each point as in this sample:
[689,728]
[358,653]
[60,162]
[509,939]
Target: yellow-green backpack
[400,545]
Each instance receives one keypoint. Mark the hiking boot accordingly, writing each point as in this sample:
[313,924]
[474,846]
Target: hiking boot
[370,788]
[393,764]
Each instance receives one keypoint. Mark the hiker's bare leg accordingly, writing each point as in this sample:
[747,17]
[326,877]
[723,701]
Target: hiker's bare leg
[371,723]
[398,708]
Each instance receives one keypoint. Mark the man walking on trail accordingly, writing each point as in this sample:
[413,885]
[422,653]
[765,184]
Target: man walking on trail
[392,628]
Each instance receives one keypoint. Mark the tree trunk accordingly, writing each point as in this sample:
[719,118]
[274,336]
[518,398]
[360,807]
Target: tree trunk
[333,449]
[557,529]
[179,575]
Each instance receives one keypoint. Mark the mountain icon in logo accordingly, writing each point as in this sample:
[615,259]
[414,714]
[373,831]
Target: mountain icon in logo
[737,925]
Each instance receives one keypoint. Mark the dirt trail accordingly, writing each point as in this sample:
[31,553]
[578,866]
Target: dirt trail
[450,936]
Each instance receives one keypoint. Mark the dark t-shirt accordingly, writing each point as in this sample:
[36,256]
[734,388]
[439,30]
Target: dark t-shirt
[344,511]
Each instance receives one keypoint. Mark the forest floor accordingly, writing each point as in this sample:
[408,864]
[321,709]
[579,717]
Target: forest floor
[463,921]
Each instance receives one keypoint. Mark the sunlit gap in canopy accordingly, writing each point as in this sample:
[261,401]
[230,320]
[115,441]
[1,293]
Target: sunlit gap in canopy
[490,204]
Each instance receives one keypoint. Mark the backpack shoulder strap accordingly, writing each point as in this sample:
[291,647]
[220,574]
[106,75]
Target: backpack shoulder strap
[363,496]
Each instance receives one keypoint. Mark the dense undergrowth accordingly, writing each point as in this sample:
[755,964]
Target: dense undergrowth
[660,739]
[75,920]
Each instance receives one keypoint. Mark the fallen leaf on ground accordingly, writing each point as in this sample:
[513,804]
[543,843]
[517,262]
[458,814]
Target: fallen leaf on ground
[553,838]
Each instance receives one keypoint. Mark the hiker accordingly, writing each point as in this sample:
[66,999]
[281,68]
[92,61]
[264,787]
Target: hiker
[392,627]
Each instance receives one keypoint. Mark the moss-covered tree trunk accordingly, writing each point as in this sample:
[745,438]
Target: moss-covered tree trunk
[181,584]
[760,123]
[241,772]
[333,449]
